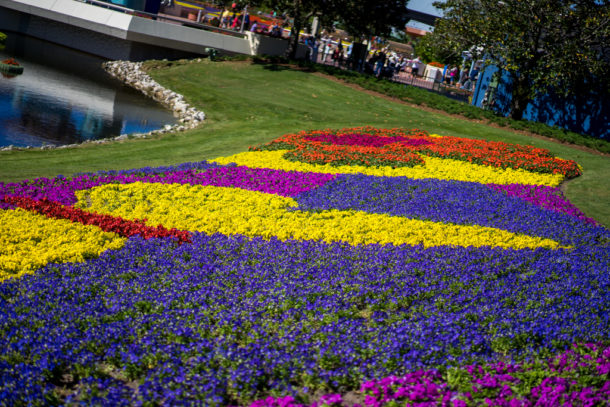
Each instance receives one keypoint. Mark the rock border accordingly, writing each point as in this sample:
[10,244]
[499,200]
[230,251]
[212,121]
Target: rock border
[131,74]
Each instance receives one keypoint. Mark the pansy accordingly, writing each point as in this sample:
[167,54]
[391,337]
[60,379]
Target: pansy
[357,266]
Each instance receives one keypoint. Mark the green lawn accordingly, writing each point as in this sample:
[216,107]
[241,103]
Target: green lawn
[248,104]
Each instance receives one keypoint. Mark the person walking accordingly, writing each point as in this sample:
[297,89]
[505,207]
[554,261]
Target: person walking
[453,72]
[463,76]
[381,57]
[415,66]
[402,65]
[327,50]
[340,53]
[315,49]
[235,23]
[224,20]
[337,54]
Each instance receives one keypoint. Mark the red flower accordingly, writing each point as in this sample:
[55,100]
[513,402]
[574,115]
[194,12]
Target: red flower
[400,147]
[107,223]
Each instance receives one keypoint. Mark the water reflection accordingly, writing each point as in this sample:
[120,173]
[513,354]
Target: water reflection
[64,97]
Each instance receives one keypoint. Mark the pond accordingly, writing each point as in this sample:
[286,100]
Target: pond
[65,97]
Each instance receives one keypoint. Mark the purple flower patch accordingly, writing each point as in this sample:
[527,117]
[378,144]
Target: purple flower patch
[231,320]
[238,321]
[546,197]
[61,190]
[458,202]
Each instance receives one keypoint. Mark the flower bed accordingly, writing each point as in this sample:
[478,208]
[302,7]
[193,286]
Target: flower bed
[270,279]
[498,384]
[407,148]
[30,241]
[10,61]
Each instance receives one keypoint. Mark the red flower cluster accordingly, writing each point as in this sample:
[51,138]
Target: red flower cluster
[10,61]
[436,64]
[107,223]
[499,154]
[354,146]
[341,155]
[399,147]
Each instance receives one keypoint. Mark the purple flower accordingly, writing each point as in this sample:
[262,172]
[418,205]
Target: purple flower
[546,197]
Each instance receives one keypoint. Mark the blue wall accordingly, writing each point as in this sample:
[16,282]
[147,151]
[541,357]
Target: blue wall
[590,115]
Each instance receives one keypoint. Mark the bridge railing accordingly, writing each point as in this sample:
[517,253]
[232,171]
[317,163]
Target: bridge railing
[163,17]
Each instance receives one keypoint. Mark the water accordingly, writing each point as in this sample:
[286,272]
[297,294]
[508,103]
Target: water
[64,97]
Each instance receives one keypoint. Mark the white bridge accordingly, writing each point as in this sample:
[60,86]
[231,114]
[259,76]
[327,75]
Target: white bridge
[118,34]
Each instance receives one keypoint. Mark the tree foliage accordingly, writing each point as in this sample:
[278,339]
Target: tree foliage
[301,13]
[544,45]
[363,18]
[427,50]
[360,18]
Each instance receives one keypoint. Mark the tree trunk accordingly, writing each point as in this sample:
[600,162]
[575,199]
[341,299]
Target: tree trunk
[520,96]
[293,42]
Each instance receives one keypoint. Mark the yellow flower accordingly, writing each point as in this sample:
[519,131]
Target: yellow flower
[236,211]
[434,167]
[29,241]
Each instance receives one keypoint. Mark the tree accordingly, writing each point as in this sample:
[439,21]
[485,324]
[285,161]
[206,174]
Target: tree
[364,18]
[361,18]
[428,50]
[544,45]
[301,12]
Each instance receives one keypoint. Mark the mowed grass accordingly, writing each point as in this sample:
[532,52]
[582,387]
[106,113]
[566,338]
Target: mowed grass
[247,104]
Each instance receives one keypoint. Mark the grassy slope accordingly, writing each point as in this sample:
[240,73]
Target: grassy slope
[251,104]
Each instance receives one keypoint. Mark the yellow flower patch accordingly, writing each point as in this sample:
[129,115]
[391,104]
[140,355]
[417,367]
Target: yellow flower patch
[235,211]
[438,168]
[29,241]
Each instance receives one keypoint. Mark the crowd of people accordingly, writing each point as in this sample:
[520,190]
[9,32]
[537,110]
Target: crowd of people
[385,63]
[326,50]
[232,18]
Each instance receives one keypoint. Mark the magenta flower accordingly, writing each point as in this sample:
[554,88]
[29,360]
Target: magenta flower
[546,197]
[367,140]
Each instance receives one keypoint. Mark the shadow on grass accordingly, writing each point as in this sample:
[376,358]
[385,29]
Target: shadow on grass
[275,67]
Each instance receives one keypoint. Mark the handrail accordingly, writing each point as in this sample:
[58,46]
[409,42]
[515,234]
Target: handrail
[163,17]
